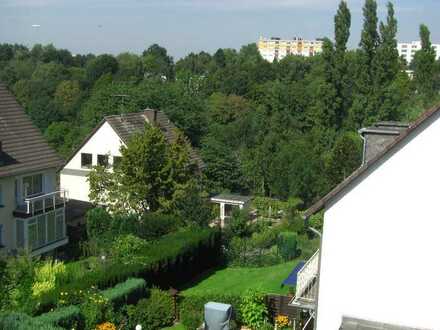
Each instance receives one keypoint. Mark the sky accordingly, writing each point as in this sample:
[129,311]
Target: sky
[184,26]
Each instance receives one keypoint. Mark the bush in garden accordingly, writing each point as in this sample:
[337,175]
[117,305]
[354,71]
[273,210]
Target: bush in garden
[96,310]
[98,221]
[238,224]
[153,313]
[253,309]
[156,225]
[69,317]
[126,293]
[20,321]
[191,319]
[126,248]
[162,262]
[20,279]
[287,245]
[45,277]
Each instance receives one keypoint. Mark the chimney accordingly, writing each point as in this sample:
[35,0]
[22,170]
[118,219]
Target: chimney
[379,136]
[155,117]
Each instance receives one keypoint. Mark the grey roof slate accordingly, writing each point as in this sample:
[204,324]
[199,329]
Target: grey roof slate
[23,147]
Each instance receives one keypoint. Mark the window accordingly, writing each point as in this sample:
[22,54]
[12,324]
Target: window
[33,185]
[103,160]
[1,199]
[86,160]
[116,161]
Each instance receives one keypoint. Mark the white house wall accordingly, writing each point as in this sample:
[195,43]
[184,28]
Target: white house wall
[7,218]
[381,244]
[73,178]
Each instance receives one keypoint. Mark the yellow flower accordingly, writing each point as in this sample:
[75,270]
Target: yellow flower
[282,321]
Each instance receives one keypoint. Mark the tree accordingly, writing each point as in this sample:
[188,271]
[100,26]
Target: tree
[97,67]
[364,103]
[342,83]
[344,158]
[425,68]
[130,67]
[152,174]
[157,63]
[67,94]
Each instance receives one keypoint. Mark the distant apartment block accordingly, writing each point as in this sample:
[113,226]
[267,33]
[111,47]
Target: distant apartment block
[277,48]
[407,50]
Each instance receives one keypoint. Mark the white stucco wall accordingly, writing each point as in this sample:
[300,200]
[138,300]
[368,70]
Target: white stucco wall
[73,178]
[9,201]
[381,244]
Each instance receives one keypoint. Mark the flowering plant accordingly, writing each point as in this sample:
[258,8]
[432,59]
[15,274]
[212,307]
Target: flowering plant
[281,321]
[106,326]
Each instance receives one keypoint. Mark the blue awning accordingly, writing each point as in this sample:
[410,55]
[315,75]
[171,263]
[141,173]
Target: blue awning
[292,278]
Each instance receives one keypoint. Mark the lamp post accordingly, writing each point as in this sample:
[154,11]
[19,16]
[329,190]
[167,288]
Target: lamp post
[138,327]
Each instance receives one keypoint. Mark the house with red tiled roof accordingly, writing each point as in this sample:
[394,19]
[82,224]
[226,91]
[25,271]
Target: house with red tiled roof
[377,266]
[32,209]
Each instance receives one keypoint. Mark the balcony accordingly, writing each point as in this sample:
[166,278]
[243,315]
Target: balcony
[41,233]
[41,204]
[307,284]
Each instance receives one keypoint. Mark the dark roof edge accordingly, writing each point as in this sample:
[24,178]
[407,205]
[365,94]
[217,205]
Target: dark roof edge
[319,205]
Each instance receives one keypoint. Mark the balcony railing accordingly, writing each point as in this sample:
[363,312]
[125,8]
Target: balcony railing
[307,283]
[42,204]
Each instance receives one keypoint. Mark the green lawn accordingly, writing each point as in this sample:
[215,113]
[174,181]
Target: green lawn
[238,280]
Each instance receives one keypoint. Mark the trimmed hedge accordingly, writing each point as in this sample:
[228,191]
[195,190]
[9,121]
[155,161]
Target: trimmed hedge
[170,261]
[127,293]
[66,317]
[70,317]
[20,321]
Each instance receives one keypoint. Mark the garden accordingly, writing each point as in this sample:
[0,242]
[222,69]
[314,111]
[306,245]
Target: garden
[128,265]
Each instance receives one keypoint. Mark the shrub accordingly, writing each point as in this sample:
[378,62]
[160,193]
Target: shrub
[191,319]
[253,309]
[20,321]
[66,317]
[153,313]
[191,308]
[96,310]
[127,247]
[287,245]
[155,225]
[45,277]
[163,262]
[98,221]
[126,293]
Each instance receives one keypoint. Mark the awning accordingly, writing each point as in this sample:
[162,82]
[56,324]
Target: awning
[293,276]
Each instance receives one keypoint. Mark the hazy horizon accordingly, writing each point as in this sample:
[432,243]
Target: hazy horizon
[185,26]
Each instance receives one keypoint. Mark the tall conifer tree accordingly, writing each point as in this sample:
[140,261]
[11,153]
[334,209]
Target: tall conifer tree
[425,68]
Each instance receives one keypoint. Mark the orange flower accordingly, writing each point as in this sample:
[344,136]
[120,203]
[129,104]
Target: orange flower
[106,326]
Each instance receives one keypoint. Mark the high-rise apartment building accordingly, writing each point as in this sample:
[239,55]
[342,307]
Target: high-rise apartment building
[407,50]
[277,48]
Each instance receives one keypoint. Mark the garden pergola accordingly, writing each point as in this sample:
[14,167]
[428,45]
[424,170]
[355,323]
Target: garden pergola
[227,202]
